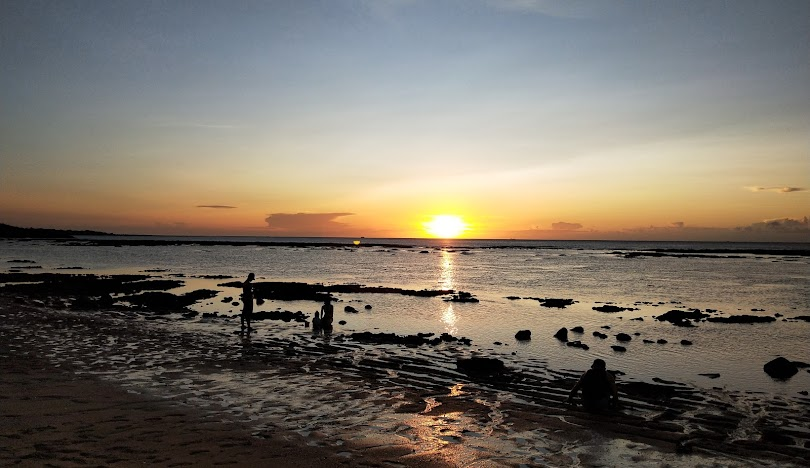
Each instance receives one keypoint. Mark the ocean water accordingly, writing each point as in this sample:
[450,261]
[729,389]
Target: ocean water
[592,273]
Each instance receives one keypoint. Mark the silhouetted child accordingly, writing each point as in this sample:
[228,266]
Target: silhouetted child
[247,301]
[598,386]
[316,321]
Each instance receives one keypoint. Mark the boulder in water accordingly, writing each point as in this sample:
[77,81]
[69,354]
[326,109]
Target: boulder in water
[523,335]
[781,368]
[562,334]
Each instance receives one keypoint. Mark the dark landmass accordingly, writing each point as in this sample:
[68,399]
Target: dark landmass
[712,253]
[14,232]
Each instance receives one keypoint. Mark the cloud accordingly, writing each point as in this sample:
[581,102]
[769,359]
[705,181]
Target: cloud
[219,207]
[308,224]
[782,225]
[777,189]
[563,226]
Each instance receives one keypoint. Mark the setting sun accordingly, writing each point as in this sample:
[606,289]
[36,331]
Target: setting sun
[445,226]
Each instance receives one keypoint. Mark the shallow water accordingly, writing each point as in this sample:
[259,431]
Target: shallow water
[588,273]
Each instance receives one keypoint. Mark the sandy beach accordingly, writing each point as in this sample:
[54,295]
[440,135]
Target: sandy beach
[88,388]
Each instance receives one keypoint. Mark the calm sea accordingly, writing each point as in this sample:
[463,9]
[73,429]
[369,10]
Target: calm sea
[733,278]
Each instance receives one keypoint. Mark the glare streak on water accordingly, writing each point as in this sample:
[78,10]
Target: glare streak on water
[590,273]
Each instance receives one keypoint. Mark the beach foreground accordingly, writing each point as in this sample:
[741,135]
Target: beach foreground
[83,388]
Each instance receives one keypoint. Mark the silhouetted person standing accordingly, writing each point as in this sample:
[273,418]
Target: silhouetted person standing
[327,313]
[598,386]
[247,301]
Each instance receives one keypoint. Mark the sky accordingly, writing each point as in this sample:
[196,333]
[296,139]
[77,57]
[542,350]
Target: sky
[529,119]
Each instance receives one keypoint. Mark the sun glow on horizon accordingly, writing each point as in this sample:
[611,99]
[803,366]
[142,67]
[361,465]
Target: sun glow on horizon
[445,226]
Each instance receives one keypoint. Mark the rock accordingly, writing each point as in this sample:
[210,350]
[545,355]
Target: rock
[780,368]
[368,307]
[523,335]
[349,309]
[227,299]
[806,318]
[599,335]
[577,344]
[686,342]
[461,297]
[480,366]
[578,330]
[612,309]
[235,304]
[620,349]
[710,375]
[638,319]
[681,318]
[557,303]
[513,298]
[623,337]
[606,327]
[648,341]
[342,322]
[741,319]
[562,334]
[662,341]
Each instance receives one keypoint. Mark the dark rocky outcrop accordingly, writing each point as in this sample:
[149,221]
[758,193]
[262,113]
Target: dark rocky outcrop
[578,344]
[599,335]
[618,348]
[462,296]
[480,366]
[556,303]
[710,375]
[612,309]
[662,341]
[349,309]
[523,335]
[686,342]
[368,307]
[806,318]
[742,319]
[562,334]
[681,318]
[407,340]
[781,368]
[578,330]
[623,337]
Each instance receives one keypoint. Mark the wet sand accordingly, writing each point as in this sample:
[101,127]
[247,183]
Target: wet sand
[113,389]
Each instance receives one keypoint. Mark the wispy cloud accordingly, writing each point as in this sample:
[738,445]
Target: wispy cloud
[308,224]
[563,226]
[218,207]
[777,189]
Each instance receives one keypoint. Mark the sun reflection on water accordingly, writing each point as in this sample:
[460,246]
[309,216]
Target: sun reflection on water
[447,272]
[449,319]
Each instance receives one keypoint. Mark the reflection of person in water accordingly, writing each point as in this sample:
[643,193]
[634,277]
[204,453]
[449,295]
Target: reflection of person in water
[598,387]
[327,312]
[247,301]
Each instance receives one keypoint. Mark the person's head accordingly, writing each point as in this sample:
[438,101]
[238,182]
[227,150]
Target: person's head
[251,277]
[598,364]
[328,299]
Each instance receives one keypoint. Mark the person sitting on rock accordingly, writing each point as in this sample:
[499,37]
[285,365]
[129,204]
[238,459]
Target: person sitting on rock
[598,387]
